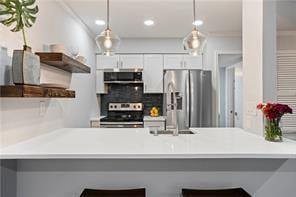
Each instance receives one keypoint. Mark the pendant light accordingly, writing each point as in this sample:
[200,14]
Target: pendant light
[195,41]
[107,41]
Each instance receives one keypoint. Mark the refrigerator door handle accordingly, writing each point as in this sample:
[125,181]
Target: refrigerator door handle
[187,95]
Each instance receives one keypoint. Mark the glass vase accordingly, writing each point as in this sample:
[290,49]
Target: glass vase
[273,130]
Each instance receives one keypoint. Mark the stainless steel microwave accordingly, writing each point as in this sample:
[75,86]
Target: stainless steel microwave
[123,77]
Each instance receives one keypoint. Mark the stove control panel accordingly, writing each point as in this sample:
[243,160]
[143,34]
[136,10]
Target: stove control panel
[126,107]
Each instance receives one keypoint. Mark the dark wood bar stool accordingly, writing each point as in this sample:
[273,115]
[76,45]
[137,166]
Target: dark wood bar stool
[114,193]
[235,192]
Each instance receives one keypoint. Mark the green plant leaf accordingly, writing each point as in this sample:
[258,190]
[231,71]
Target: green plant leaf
[4,12]
[28,3]
[18,14]
[21,13]
[8,22]
[32,10]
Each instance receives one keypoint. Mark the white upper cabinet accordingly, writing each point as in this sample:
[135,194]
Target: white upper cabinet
[193,62]
[107,62]
[131,62]
[153,74]
[120,62]
[182,62]
[173,62]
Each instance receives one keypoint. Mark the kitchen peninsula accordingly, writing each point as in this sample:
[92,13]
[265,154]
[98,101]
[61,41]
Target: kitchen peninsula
[100,143]
[163,164]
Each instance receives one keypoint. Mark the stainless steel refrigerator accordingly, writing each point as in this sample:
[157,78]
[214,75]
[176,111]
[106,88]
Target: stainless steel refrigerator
[194,98]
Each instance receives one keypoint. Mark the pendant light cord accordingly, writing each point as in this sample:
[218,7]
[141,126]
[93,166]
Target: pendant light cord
[108,14]
[194,14]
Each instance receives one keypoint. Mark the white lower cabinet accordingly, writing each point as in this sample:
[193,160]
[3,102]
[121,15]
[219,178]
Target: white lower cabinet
[154,123]
[153,74]
[95,123]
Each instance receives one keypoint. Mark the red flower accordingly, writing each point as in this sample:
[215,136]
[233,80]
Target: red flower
[260,106]
[274,111]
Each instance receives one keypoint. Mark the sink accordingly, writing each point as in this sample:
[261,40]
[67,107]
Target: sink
[168,132]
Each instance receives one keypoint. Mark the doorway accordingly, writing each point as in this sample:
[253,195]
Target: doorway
[231,90]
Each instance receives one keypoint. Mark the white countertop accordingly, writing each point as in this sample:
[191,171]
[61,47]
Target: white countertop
[159,118]
[100,143]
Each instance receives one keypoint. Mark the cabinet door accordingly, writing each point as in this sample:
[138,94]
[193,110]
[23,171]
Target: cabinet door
[153,74]
[107,62]
[100,86]
[131,62]
[193,62]
[173,62]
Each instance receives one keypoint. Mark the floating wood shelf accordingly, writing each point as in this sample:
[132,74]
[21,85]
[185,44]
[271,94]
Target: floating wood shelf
[34,91]
[63,62]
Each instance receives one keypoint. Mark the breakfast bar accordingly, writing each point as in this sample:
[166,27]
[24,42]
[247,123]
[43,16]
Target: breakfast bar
[65,161]
[100,143]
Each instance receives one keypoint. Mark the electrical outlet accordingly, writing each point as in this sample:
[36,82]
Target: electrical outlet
[42,108]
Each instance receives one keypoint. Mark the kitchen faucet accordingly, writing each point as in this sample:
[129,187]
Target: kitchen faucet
[172,89]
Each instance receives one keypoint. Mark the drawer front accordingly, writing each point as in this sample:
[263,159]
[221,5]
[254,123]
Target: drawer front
[159,124]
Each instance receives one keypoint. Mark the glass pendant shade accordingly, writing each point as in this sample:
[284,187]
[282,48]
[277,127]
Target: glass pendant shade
[194,43]
[108,42]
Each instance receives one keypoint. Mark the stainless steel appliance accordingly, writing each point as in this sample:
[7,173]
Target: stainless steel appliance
[123,77]
[192,97]
[124,115]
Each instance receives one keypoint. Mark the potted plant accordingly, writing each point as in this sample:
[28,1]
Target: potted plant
[273,112]
[18,15]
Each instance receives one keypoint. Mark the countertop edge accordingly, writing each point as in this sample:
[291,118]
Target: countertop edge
[149,156]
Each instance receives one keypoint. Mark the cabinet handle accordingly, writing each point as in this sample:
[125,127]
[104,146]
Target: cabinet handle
[121,64]
[117,64]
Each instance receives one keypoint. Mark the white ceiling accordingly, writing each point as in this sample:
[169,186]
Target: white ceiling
[172,18]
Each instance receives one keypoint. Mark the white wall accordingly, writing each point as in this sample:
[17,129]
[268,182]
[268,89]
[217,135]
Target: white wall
[259,60]
[20,118]
[220,44]
[286,42]
[151,45]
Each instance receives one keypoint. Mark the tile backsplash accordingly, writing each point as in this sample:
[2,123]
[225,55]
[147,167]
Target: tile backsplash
[130,93]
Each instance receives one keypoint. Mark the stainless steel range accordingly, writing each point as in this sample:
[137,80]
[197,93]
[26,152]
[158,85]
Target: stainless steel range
[124,115]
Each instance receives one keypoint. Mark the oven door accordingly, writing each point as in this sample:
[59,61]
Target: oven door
[122,125]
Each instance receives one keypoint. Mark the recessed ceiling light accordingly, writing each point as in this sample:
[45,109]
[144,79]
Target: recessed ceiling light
[100,22]
[198,23]
[148,22]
